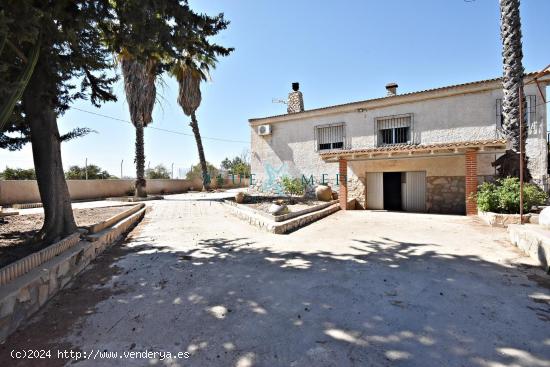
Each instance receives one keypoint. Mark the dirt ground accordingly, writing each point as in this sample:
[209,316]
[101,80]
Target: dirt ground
[17,231]
[356,288]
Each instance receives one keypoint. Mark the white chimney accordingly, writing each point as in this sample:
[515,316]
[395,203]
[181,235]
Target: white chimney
[392,89]
[295,99]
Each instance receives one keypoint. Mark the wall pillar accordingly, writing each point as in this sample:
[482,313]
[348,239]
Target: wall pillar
[471,181]
[343,183]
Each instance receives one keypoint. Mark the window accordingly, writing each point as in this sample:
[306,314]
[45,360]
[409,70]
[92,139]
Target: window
[394,130]
[530,112]
[330,136]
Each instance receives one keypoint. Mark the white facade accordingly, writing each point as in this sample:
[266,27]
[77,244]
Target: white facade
[466,112]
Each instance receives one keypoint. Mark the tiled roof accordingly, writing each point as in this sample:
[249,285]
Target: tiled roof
[417,147]
[479,82]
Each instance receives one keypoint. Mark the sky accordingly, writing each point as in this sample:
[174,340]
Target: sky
[339,51]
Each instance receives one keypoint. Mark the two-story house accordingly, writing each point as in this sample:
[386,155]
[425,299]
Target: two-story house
[423,151]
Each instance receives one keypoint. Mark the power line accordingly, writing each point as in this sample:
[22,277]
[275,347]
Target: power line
[161,129]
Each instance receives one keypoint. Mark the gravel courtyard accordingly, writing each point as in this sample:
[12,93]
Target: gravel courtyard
[355,289]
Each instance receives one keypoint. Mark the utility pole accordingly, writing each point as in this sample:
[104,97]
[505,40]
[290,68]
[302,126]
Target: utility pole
[521,137]
[172,170]
[86,164]
[122,161]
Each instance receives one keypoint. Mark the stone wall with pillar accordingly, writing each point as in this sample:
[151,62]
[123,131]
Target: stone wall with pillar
[471,181]
[343,183]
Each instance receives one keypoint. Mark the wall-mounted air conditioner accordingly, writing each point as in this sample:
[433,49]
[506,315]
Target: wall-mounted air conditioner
[264,130]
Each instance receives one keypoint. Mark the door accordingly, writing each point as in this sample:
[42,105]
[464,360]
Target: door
[414,192]
[375,190]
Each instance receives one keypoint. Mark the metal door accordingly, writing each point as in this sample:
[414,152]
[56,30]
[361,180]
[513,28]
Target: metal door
[375,190]
[414,192]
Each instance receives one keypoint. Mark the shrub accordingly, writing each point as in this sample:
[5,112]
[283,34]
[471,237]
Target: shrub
[292,186]
[219,181]
[503,196]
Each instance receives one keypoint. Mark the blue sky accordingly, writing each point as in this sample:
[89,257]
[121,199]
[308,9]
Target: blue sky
[339,51]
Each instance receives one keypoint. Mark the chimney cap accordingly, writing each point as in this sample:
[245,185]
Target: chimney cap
[391,85]
[295,86]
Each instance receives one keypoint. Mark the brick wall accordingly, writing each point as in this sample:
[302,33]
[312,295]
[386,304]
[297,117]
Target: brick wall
[471,181]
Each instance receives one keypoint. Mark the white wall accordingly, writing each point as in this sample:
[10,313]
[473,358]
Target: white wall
[463,117]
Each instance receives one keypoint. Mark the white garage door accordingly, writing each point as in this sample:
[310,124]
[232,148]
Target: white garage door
[414,192]
[375,190]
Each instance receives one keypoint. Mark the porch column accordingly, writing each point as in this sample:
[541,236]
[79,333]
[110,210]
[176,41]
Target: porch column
[343,183]
[471,181]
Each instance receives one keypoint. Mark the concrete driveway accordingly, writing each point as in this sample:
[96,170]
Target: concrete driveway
[354,289]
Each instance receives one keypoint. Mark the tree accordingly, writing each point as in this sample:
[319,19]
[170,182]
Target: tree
[18,174]
[512,84]
[94,173]
[190,72]
[238,166]
[76,40]
[197,173]
[139,85]
[159,172]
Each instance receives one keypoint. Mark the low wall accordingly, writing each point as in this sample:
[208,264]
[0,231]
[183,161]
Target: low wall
[26,191]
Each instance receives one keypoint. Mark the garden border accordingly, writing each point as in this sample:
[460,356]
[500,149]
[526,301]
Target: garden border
[22,296]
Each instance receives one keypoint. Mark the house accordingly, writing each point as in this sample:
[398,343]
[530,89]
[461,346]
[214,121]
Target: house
[423,151]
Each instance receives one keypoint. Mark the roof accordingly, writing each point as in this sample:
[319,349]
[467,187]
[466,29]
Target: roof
[397,98]
[408,148]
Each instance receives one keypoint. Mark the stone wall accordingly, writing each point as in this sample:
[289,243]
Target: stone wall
[26,191]
[24,295]
[446,194]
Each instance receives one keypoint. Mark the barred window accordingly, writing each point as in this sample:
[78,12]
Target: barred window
[394,130]
[331,136]
[530,113]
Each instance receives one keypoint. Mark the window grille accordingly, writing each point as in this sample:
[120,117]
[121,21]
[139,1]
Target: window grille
[330,137]
[530,114]
[394,130]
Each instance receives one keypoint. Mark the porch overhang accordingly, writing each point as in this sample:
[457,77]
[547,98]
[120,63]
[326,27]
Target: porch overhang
[415,151]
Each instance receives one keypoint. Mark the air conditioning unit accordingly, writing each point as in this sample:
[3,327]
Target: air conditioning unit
[264,130]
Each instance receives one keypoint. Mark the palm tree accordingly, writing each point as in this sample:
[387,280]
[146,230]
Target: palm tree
[139,85]
[190,72]
[512,81]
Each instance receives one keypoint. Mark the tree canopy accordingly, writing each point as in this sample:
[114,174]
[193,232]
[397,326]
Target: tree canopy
[18,174]
[158,172]
[237,166]
[94,173]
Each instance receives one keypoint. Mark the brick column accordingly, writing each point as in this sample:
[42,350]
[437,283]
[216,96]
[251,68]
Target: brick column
[471,181]
[343,183]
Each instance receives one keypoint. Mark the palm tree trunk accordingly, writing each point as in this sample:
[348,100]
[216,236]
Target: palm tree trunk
[46,148]
[512,85]
[140,162]
[512,80]
[205,177]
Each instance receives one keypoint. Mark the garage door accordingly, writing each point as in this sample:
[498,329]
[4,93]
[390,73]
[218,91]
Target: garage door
[375,190]
[414,192]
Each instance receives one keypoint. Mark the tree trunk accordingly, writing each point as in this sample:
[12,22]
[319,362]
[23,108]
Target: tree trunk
[140,162]
[512,79]
[46,148]
[195,127]
[512,86]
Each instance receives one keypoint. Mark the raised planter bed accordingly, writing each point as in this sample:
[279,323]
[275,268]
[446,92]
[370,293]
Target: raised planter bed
[502,220]
[533,240]
[28,283]
[284,223]
[133,199]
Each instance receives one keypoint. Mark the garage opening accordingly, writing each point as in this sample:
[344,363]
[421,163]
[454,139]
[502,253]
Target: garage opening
[397,191]
[392,191]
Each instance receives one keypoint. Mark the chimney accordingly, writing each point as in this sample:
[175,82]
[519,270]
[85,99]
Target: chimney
[295,99]
[392,89]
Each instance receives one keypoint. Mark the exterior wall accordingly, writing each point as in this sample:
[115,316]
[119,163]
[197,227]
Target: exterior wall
[26,191]
[290,150]
[446,194]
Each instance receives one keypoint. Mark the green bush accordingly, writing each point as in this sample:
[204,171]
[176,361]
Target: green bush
[292,186]
[503,196]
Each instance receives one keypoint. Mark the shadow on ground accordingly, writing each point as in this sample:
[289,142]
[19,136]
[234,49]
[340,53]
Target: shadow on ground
[230,302]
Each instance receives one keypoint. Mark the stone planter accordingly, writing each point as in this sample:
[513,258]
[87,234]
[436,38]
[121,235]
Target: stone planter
[502,220]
